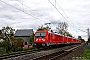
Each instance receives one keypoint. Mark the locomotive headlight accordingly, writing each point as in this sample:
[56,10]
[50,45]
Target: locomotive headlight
[36,39]
[43,39]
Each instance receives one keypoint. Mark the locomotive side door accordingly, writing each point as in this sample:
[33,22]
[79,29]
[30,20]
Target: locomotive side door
[50,37]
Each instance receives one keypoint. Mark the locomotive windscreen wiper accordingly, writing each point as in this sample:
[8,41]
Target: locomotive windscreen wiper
[40,34]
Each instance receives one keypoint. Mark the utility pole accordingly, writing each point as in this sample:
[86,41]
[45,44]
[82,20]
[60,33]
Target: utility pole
[88,32]
[88,36]
[55,3]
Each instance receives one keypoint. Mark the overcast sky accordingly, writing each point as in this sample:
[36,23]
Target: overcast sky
[30,14]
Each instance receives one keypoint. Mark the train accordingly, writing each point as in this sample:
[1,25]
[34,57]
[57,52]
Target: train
[46,38]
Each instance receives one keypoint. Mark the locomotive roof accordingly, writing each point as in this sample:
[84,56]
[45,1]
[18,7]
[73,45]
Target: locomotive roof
[49,32]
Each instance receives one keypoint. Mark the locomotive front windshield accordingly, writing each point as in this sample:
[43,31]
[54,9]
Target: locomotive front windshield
[40,34]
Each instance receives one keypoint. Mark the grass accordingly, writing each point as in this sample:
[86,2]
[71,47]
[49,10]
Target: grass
[86,54]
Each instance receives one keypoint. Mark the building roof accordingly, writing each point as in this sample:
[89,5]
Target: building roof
[24,32]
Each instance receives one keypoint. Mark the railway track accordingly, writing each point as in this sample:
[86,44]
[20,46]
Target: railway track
[57,54]
[61,55]
[50,54]
[13,56]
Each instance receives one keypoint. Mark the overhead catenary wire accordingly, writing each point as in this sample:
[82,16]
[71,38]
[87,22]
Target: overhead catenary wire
[31,9]
[56,8]
[59,12]
[67,16]
[23,11]
[63,15]
[62,9]
[19,9]
[28,7]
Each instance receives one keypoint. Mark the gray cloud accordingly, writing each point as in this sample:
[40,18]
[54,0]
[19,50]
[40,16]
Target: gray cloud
[42,12]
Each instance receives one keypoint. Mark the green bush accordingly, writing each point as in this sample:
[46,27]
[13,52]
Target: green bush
[86,54]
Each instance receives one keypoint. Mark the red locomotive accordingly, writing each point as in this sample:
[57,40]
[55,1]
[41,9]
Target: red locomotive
[47,38]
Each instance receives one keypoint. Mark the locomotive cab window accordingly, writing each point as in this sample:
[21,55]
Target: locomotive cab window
[40,34]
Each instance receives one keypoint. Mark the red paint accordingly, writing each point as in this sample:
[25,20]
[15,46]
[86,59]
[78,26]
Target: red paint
[52,38]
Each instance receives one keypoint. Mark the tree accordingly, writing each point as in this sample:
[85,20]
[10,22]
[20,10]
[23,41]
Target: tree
[7,32]
[1,35]
[31,40]
[6,44]
[80,38]
[43,28]
[62,28]
[68,34]
[0,32]
[17,43]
